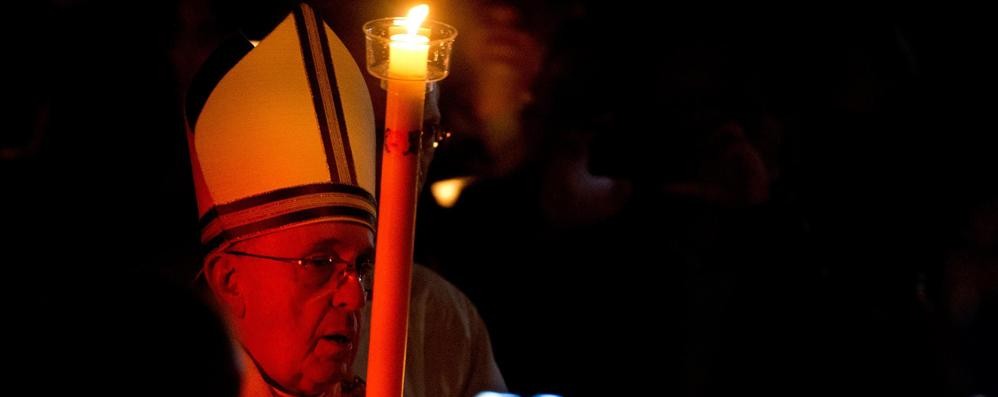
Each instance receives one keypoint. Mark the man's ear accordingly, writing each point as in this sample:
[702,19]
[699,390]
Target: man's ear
[223,278]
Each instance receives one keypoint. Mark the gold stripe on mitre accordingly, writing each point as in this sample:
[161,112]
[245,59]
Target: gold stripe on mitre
[285,138]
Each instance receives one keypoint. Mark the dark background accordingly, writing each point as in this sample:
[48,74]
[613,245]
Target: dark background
[868,270]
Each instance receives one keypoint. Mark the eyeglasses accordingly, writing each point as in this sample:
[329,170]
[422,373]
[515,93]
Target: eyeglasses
[317,271]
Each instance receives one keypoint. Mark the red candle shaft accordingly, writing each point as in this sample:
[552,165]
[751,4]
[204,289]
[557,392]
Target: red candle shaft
[396,231]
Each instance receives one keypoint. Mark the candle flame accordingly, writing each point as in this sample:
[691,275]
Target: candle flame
[415,18]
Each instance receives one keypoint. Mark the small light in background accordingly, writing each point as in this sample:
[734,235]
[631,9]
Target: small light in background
[447,191]
[546,395]
[494,394]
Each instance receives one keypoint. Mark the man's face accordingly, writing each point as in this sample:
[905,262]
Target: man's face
[302,334]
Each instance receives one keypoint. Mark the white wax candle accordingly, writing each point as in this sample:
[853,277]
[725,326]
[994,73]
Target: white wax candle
[407,52]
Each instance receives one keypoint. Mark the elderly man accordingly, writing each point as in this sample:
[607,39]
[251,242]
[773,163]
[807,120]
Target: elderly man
[283,147]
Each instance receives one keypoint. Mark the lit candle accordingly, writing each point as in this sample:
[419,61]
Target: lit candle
[408,51]
[407,75]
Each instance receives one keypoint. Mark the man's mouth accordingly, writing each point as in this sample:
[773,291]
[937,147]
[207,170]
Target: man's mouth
[335,346]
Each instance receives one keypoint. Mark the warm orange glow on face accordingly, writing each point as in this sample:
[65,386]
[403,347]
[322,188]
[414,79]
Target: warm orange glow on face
[303,338]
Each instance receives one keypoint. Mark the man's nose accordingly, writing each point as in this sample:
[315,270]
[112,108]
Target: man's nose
[350,293]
